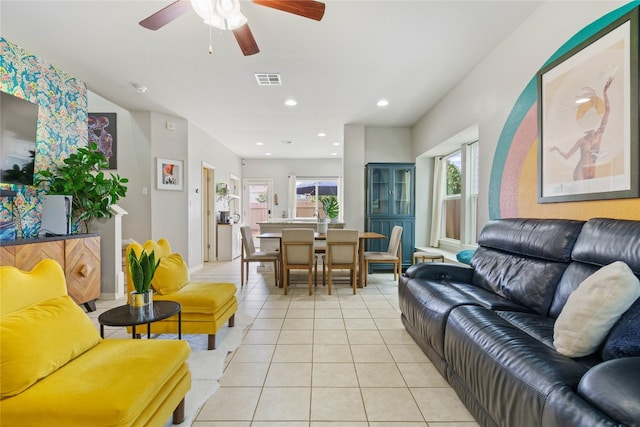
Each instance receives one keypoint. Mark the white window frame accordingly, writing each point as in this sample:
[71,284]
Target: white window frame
[468,196]
[448,197]
[318,204]
[472,182]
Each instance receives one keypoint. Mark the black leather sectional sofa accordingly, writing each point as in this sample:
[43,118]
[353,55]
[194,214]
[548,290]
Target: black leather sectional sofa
[489,328]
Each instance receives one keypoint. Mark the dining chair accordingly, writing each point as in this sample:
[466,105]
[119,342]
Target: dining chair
[249,254]
[393,255]
[297,253]
[320,250]
[342,254]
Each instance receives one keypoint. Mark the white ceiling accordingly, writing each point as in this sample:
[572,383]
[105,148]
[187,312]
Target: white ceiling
[408,52]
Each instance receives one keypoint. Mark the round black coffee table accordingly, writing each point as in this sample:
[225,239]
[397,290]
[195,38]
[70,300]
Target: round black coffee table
[125,316]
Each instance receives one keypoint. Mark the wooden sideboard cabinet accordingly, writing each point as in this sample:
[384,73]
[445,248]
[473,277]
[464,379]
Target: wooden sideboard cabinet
[79,256]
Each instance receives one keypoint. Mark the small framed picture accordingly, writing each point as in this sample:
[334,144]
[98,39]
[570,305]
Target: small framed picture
[169,174]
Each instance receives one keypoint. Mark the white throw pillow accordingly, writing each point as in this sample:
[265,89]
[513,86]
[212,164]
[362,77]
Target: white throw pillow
[593,308]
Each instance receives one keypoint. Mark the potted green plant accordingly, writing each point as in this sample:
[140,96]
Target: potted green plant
[142,269]
[81,176]
[222,189]
[330,207]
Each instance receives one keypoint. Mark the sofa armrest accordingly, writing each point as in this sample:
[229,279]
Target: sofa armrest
[613,387]
[440,271]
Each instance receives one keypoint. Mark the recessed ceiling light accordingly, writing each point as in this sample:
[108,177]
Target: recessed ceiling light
[382,103]
[139,88]
[290,102]
[336,144]
[267,154]
[321,134]
[334,154]
[259,143]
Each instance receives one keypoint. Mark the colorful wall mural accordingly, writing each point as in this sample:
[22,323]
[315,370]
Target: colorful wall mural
[513,183]
[62,125]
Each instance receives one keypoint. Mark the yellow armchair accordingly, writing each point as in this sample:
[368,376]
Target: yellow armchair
[206,306]
[57,371]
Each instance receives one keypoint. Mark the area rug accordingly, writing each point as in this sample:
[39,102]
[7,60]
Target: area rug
[207,366]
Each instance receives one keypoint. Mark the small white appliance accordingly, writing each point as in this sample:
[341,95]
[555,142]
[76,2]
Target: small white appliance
[56,215]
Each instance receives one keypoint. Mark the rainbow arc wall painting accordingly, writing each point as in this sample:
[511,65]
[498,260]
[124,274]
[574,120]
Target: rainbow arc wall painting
[515,174]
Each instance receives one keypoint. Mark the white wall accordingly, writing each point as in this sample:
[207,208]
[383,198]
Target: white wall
[137,224]
[168,207]
[133,163]
[143,137]
[205,149]
[364,145]
[361,146]
[279,170]
[487,95]
[354,182]
[388,144]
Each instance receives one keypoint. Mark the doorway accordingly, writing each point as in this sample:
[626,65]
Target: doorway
[208,214]
[258,202]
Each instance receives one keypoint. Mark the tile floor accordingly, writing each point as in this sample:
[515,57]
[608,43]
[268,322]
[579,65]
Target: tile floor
[323,360]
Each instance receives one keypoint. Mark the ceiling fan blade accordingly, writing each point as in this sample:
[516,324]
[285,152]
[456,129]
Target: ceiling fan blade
[246,41]
[166,15]
[307,8]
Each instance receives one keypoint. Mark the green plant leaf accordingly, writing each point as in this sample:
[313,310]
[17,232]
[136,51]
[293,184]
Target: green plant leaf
[81,176]
[142,269]
[137,275]
[330,206]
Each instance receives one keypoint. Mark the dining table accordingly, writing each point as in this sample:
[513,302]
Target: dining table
[363,236]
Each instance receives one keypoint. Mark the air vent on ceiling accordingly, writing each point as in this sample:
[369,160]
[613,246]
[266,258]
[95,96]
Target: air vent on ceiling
[268,79]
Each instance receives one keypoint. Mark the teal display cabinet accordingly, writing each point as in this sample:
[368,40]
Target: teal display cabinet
[390,201]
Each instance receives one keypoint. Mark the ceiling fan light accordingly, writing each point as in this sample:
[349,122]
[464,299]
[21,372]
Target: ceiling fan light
[204,8]
[236,21]
[227,8]
[222,14]
[216,21]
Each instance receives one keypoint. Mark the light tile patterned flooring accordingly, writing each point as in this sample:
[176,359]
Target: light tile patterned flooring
[323,360]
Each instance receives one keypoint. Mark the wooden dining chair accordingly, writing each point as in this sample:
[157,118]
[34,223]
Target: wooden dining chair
[342,254]
[297,253]
[249,255]
[320,250]
[393,255]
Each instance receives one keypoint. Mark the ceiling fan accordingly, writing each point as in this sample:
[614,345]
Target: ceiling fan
[226,15]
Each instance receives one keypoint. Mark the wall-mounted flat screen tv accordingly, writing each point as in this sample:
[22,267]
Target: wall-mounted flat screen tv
[18,127]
